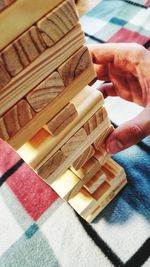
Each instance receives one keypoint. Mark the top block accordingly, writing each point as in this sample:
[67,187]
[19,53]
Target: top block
[22,15]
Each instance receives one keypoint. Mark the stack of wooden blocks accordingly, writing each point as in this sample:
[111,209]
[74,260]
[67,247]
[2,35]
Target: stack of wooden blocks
[48,113]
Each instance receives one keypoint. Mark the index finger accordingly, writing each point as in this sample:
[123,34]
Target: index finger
[105,53]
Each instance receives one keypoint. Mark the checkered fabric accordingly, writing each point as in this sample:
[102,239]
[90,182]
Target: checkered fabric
[38,229]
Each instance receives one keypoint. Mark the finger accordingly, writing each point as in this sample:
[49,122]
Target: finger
[107,89]
[129,133]
[102,72]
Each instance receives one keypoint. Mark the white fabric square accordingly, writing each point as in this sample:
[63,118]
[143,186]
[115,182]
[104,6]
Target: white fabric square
[94,26]
[10,230]
[142,18]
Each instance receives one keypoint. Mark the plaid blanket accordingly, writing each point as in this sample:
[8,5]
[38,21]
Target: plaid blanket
[38,229]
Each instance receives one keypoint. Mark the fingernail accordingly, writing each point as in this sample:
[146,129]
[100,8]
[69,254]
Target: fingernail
[114,146]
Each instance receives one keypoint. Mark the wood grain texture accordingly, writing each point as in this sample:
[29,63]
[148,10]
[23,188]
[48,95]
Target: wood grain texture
[45,92]
[74,142]
[102,138]
[4,76]
[102,156]
[5,3]
[42,67]
[82,159]
[61,120]
[51,165]
[15,119]
[95,182]
[95,120]
[75,65]
[57,23]
[9,25]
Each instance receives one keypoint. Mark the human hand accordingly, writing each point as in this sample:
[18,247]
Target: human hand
[127,68]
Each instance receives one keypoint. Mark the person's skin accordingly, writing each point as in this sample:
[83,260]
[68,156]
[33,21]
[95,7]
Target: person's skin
[127,67]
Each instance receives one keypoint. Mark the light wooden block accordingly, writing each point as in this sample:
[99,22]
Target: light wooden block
[88,170]
[51,165]
[5,3]
[101,139]
[65,184]
[4,76]
[45,92]
[95,120]
[83,158]
[74,142]
[83,203]
[42,146]
[15,119]
[41,68]
[57,23]
[75,65]
[97,180]
[13,21]
[112,170]
[102,156]
[62,119]
[106,201]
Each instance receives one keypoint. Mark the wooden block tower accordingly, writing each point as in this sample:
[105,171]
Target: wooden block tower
[48,113]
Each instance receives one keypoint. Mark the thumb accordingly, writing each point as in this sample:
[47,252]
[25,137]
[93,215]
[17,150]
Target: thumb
[129,133]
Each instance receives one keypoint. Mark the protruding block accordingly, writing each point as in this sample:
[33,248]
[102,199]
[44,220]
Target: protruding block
[15,119]
[95,120]
[61,120]
[75,65]
[97,180]
[75,141]
[44,93]
[102,156]
[64,185]
[51,164]
[83,203]
[84,157]
[101,139]
[58,22]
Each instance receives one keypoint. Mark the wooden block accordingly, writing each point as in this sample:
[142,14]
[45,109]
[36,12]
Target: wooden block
[101,192]
[106,201]
[57,23]
[62,119]
[88,170]
[82,159]
[102,156]
[32,43]
[74,142]
[97,180]
[95,120]
[10,17]
[101,139]
[5,3]
[112,170]
[15,119]
[83,203]
[64,185]
[41,68]
[51,165]
[42,146]
[20,52]
[45,92]
[75,65]
[4,76]
[11,60]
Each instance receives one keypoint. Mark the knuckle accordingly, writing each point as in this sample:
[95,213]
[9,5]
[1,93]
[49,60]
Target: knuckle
[137,132]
